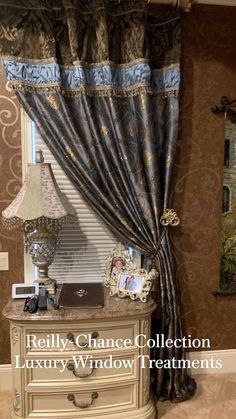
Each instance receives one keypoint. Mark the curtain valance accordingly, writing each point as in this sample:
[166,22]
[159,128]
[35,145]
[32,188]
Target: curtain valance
[99,46]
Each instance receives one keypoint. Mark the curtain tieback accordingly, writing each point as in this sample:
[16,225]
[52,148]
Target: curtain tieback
[169,218]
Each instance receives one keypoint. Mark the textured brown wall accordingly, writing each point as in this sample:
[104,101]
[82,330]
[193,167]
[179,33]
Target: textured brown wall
[10,181]
[209,72]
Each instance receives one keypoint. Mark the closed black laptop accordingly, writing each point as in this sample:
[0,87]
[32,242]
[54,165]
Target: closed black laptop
[82,295]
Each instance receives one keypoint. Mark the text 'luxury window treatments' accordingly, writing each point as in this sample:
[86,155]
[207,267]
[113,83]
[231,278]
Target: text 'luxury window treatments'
[101,81]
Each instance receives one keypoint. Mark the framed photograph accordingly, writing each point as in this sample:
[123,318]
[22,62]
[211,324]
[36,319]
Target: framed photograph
[117,262]
[134,284]
[117,265]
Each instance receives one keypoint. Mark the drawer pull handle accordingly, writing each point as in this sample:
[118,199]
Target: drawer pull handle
[71,368]
[85,345]
[82,405]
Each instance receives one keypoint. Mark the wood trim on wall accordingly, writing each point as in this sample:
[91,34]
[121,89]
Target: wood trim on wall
[26,133]
[5,377]
[227,357]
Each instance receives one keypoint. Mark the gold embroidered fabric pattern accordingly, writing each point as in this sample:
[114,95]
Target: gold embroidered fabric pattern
[39,31]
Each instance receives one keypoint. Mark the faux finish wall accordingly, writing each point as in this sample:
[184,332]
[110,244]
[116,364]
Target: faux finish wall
[10,182]
[209,72]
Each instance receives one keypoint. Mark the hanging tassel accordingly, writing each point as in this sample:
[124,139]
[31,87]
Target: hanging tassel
[155,290]
[154,274]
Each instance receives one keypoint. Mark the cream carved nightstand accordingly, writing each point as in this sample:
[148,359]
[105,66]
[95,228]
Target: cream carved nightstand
[91,392]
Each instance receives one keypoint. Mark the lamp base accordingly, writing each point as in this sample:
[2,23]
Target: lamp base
[41,243]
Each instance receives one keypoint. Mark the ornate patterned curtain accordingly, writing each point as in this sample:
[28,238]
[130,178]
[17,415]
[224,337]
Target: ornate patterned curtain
[101,81]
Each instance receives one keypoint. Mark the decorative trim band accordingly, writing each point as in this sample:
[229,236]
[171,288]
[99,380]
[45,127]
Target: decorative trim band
[101,92]
[106,76]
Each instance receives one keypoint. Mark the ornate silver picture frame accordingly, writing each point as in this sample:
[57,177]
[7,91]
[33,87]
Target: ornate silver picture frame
[117,261]
[135,284]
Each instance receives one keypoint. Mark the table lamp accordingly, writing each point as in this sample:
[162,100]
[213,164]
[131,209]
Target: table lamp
[41,210]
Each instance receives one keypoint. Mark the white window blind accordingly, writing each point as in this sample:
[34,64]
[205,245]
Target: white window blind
[84,247]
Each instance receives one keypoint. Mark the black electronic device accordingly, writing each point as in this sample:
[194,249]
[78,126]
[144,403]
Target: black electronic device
[42,304]
[82,295]
[31,304]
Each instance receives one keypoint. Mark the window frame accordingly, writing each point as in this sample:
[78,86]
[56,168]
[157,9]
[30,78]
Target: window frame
[27,152]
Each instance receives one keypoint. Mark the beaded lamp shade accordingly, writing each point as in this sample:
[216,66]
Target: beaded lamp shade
[41,210]
[39,198]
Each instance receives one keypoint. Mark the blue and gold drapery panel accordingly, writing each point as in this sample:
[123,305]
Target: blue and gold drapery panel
[101,81]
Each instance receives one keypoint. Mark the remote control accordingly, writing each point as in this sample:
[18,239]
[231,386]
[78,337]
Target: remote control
[42,304]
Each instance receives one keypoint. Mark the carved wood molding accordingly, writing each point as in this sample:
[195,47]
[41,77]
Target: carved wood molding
[16,400]
[14,335]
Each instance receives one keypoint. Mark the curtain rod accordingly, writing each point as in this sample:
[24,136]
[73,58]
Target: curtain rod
[183,4]
[187,4]
[225,106]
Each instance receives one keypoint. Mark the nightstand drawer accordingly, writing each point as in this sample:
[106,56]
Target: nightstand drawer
[93,337]
[77,404]
[82,369]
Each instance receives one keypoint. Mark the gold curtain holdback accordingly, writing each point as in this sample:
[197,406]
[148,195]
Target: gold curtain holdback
[169,218]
